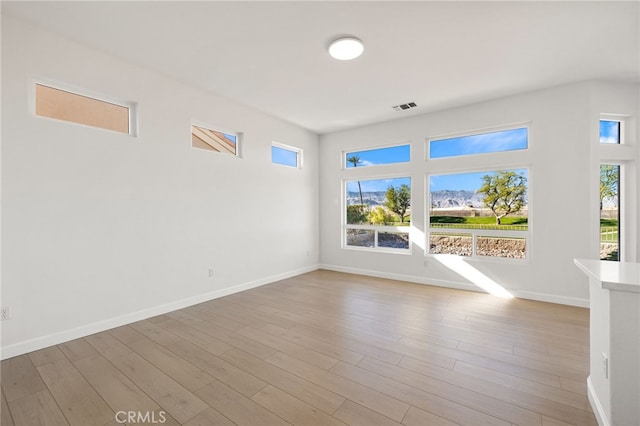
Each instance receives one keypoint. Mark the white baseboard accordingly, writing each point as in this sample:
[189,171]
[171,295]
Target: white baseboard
[99,326]
[596,406]
[540,297]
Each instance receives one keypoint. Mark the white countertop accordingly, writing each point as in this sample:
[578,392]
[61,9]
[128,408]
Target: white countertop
[621,276]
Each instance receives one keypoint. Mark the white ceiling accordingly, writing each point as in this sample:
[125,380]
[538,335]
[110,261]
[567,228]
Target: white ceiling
[272,55]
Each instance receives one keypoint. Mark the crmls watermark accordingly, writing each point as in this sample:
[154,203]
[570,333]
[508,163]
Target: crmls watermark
[133,417]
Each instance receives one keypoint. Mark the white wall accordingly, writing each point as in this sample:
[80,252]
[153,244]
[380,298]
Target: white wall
[562,169]
[101,228]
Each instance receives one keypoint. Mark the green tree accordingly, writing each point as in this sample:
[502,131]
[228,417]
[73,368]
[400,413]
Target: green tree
[398,200]
[609,176]
[355,160]
[504,193]
[356,214]
[379,216]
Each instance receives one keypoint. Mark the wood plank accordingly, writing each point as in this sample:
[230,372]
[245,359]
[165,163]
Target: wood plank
[77,349]
[5,414]
[107,345]
[304,390]
[114,387]
[290,348]
[418,417]
[209,417]
[476,400]
[223,371]
[126,334]
[170,395]
[237,407]
[375,400]
[20,378]
[79,402]
[198,338]
[155,333]
[36,409]
[180,370]
[46,355]
[329,350]
[292,409]
[356,415]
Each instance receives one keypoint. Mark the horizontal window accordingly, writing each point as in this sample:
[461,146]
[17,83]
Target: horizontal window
[479,214]
[286,155]
[379,156]
[483,143]
[77,108]
[213,140]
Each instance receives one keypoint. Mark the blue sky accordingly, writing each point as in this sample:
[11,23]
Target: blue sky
[505,140]
[462,181]
[372,157]
[284,156]
[609,131]
[377,184]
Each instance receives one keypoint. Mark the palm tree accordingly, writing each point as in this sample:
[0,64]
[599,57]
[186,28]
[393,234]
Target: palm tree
[355,160]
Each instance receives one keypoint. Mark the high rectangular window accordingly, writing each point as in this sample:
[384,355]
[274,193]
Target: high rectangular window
[378,214]
[378,156]
[78,108]
[214,140]
[286,155]
[610,131]
[483,143]
[479,213]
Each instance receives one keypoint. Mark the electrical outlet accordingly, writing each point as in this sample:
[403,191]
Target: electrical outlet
[5,313]
[210,272]
[605,365]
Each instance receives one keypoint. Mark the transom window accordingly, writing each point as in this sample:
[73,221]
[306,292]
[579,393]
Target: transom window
[610,131]
[482,143]
[378,156]
[286,155]
[80,108]
[208,139]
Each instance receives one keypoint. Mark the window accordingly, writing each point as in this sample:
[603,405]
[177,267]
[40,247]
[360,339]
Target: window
[214,140]
[610,131]
[484,143]
[379,156]
[76,108]
[610,212]
[378,214]
[479,214]
[286,155]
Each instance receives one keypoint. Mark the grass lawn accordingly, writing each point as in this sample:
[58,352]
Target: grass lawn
[481,220]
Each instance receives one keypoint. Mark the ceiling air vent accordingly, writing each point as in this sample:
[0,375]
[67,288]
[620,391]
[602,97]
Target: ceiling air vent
[402,107]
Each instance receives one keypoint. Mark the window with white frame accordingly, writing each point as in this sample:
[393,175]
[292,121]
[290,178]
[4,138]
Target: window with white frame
[77,106]
[377,214]
[481,214]
[210,139]
[378,156]
[286,155]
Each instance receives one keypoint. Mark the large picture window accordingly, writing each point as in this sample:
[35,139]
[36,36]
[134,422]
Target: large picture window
[482,214]
[378,214]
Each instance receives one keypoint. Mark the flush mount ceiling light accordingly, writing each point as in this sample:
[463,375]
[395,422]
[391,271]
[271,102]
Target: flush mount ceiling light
[346,48]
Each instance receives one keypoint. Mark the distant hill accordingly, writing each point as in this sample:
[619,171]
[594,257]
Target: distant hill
[445,199]
[448,199]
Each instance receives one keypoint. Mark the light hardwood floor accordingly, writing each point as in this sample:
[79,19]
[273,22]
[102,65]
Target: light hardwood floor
[323,348]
